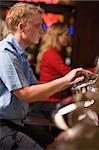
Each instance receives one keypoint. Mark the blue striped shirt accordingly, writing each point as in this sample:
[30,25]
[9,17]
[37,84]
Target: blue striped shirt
[15,73]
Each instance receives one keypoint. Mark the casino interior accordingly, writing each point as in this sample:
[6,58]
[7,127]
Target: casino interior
[80,130]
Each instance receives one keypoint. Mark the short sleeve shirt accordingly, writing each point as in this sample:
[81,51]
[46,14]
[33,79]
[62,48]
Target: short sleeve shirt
[15,73]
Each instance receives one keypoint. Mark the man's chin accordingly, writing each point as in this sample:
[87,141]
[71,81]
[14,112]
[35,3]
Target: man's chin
[37,41]
[34,43]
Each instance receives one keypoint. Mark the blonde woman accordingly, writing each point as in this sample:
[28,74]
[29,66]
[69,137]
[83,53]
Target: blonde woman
[50,63]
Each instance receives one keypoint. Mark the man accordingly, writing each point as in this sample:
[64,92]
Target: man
[18,86]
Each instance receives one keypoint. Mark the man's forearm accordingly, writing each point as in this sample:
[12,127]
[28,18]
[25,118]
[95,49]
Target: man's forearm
[41,91]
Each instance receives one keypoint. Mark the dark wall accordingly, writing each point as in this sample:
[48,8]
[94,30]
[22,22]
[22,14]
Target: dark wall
[86,40]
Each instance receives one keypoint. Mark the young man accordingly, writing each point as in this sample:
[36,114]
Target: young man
[18,85]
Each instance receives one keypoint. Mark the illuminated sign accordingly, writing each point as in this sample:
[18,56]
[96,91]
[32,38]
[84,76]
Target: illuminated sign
[48,1]
[50,18]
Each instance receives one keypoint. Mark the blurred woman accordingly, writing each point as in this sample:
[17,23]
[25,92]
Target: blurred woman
[50,64]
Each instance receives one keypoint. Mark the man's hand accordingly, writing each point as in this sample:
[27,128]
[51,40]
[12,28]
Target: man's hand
[77,75]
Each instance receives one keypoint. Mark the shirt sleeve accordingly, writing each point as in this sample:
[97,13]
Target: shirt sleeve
[11,72]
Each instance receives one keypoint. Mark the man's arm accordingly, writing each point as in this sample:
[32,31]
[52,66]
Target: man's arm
[41,91]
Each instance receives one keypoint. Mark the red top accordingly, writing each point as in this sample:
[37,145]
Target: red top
[52,67]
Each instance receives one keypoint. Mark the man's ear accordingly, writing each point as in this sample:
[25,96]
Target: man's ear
[21,26]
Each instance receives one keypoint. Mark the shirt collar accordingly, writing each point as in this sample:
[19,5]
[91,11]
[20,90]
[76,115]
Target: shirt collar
[11,39]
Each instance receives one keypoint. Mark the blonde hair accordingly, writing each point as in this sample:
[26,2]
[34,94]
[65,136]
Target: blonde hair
[20,12]
[50,39]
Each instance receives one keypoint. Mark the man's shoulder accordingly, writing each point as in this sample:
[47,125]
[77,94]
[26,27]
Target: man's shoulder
[4,44]
[6,47]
